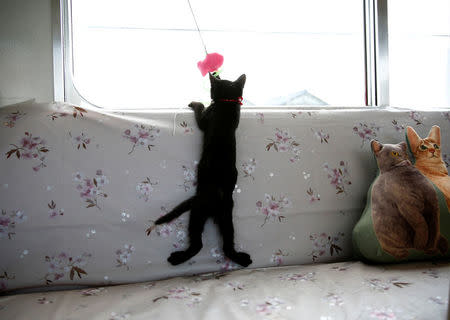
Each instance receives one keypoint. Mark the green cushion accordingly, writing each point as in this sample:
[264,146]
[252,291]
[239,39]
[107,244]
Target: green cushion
[367,247]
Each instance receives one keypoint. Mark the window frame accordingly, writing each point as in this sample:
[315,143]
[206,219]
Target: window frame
[376,54]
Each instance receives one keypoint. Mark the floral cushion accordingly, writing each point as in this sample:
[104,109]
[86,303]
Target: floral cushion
[349,290]
[79,187]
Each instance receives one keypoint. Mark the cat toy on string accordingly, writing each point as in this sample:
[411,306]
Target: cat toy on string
[212,61]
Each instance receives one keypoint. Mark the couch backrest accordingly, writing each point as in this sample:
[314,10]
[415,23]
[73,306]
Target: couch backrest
[79,188]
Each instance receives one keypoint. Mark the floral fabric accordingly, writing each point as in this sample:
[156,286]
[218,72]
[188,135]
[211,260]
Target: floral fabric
[80,187]
[337,291]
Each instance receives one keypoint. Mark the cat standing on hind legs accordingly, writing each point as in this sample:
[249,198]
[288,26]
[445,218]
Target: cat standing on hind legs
[216,172]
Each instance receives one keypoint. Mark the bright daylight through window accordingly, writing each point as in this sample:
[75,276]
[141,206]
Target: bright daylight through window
[419,52]
[143,54]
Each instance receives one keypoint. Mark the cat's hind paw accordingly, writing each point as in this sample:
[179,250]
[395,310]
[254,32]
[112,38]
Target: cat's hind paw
[241,258]
[178,257]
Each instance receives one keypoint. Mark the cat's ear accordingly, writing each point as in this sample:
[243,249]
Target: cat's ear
[413,138]
[376,146]
[212,79]
[241,80]
[435,134]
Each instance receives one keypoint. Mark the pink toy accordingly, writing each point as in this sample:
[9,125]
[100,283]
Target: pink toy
[212,62]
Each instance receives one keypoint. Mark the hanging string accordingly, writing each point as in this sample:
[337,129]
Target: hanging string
[196,24]
[206,51]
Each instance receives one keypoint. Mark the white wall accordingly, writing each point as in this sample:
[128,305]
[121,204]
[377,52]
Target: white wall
[26,65]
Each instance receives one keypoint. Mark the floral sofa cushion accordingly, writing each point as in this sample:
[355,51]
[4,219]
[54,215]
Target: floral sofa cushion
[79,187]
[346,290]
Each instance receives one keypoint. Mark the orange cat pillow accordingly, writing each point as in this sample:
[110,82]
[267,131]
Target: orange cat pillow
[428,158]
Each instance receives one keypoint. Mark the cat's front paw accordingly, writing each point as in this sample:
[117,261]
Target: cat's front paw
[196,106]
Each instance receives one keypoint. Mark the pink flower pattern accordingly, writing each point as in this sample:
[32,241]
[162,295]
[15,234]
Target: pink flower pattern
[397,126]
[225,263]
[61,264]
[366,131]
[8,222]
[11,118]
[310,276]
[77,112]
[283,142]
[189,176]
[80,141]
[186,294]
[235,285]
[260,117]
[385,285]
[93,292]
[54,212]
[55,115]
[438,300]
[270,306]
[186,128]
[321,135]
[323,243]
[277,257]
[176,227]
[339,177]
[91,189]
[3,286]
[145,188]
[123,256]
[119,316]
[334,300]
[273,208]
[249,168]
[313,197]
[4,278]
[44,300]
[416,117]
[141,135]
[431,273]
[383,314]
[30,148]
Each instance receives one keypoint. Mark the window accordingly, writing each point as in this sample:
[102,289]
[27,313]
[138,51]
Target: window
[144,54]
[419,52]
[132,54]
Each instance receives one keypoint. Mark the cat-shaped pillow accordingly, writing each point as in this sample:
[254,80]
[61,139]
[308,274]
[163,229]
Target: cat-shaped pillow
[406,217]
[428,158]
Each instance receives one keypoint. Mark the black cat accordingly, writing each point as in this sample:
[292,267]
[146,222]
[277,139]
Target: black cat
[216,172]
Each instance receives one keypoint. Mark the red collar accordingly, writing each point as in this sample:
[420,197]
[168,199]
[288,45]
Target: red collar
[238,100]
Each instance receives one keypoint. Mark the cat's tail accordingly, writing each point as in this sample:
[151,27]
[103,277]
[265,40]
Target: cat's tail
[177,211]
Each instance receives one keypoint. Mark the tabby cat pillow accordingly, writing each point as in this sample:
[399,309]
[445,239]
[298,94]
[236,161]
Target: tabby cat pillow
[406,215]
